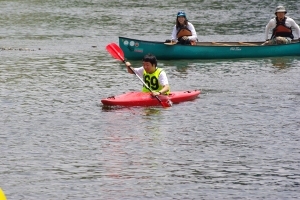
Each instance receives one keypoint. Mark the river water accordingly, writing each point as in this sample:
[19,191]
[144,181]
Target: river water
[238,140]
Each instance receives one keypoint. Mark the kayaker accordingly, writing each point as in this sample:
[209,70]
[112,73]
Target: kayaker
[153,76]
[183,31]
[282,28]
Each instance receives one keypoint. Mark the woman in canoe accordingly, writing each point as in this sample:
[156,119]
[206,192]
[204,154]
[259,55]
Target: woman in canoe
[183,31]
[153,76]
[282,28]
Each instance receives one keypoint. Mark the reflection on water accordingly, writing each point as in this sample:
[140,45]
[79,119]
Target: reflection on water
[282,62]
[152,111]
[143,111]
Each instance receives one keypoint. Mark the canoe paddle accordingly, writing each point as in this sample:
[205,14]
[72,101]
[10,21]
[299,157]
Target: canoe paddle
[170,43]
[117,53]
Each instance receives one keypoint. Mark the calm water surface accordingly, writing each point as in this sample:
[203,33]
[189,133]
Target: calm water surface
[238,140]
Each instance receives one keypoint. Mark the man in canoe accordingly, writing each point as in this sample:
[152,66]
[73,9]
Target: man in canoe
[183,31]
[154,77]
[282,28]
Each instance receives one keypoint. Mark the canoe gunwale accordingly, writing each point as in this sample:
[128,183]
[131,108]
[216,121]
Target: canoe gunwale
[212,43]
[135,49]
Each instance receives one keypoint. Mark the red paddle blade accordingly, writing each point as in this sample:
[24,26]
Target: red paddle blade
[115,51]
[167,103]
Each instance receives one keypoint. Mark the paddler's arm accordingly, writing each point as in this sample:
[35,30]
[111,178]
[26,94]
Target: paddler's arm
[174,35]
[128,64]
[297,29]
[162,91]
[270,25]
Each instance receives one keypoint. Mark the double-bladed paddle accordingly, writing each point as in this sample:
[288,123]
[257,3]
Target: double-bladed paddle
[117,53]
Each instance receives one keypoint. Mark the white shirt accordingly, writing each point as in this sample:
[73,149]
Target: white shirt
[190,26]
[162,78]
[289,22]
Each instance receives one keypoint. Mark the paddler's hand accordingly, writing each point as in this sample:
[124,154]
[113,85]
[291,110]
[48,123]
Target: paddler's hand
[156,93]
[128,64]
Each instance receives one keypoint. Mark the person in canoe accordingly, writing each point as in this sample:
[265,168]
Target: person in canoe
[183,31]
[153,76]
[282,28]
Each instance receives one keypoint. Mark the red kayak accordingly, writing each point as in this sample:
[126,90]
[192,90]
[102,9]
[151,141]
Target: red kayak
[146,99]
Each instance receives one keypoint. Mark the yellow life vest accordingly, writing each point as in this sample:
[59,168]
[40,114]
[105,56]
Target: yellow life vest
[152,81]
[2,195]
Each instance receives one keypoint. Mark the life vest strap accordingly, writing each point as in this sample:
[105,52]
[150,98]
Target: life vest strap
[282,30]
[184,32]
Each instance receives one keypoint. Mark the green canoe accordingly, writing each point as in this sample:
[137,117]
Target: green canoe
[136,49]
